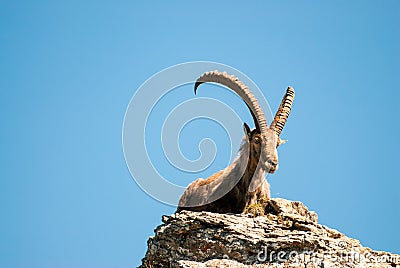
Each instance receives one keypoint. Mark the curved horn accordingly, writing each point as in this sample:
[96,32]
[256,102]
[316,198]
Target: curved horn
[239,88]
[283,112]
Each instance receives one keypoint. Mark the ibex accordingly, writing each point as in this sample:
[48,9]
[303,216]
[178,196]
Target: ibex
[243,182]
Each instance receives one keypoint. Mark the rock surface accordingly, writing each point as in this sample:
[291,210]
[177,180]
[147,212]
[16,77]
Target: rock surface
[287,236]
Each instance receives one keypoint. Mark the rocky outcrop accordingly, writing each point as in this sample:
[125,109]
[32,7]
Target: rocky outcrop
[288,235]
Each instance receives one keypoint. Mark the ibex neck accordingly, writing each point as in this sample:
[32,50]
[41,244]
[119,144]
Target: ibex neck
[247,166]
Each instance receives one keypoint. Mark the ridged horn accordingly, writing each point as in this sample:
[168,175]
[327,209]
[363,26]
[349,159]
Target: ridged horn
[239,88]
[283,112]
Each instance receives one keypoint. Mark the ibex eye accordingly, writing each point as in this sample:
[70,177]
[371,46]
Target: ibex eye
[256,140]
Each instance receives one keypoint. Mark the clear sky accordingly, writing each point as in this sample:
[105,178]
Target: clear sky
[69,69]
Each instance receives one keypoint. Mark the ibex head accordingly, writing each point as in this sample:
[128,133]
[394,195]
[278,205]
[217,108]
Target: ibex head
[263,140]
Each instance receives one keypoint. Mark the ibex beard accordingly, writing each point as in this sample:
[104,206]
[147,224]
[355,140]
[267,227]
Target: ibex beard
[241,184]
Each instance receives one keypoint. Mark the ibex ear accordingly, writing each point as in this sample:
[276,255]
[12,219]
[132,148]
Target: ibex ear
[281,142]
[246,129]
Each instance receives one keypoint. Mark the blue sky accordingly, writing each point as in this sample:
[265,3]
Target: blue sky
[69,70]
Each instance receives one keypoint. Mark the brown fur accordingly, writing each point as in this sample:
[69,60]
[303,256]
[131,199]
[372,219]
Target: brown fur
[239,197]
[209,179]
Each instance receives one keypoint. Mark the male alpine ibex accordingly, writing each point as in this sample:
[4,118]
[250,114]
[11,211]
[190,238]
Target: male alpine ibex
[243,182]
